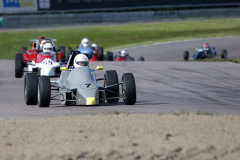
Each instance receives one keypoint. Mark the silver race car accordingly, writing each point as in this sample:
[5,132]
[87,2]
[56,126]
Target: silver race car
[79,86]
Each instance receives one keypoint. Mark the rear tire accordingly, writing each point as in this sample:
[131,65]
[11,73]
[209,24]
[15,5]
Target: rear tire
[129,89]
[108,56]
[111,78]
[44,91]
[224,54]
[31,88]
[141,59]
[100,54]
[69,51]
[18,65]
[186,55]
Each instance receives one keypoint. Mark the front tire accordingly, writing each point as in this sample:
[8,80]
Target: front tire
[186,55]
[224,54]
[44,91]
[112,93]
[129,89]
[31,88]
[18,65]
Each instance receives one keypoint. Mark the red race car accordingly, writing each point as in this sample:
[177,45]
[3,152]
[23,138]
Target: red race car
[124,56]
[32,56]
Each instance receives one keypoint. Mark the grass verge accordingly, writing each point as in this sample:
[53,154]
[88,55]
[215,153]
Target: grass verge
[118,36]
[216,60]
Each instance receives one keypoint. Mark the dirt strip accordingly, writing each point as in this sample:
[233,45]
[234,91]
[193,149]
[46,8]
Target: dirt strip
[116,136]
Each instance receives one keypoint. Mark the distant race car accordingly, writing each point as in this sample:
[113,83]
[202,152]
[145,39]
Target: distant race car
[123,55]
[206,52]
[93,52]
[93,55]
[79,86]
[34,56]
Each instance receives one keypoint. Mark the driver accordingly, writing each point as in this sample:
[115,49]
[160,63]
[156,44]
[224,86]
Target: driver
[95,49]
[210,50]
[81,60]
[94,46]
[85,43]
[48,48]
[123,53]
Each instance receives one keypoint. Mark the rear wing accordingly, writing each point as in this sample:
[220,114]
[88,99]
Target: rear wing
[34,42]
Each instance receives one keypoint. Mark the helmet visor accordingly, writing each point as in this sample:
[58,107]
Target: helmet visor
[85,44]
[48,49]
[82,63]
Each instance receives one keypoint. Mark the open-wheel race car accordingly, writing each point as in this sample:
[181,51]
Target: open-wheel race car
[93,52]
[207,52]
[79,86]
[35,58]
[123,55]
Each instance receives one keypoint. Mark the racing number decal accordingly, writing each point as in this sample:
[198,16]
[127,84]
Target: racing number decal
[88,85]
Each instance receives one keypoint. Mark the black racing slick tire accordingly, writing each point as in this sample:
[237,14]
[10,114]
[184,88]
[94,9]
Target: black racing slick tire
[62,49]
[128,89]
[100,54]
[69,51]
[224,54]
[18,65]
[31,88]
[108,56]
[186,55]
[44,91]
[141,59]
[112,93]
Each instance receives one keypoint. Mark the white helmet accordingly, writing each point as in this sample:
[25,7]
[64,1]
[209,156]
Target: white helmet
[123,53]
[94,45]
[80,60]
[85,42]
[48,47]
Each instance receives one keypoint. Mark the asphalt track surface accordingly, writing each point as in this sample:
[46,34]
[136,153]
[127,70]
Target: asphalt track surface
[164,82]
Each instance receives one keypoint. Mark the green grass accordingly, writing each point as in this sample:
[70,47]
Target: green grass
[216,60]
[188,113]
[181,113]
[235,60]
[118,36]
[115,112]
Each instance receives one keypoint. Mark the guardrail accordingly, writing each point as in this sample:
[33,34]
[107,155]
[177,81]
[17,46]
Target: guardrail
[22,21]
[2,22]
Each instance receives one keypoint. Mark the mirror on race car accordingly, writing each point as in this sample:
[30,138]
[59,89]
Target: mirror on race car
[99,68]
[63,69]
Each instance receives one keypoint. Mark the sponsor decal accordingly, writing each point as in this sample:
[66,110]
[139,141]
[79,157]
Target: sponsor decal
[26,3]
[17,3]
[11,4]
[44,4]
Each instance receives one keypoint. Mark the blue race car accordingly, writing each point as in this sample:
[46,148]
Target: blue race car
[206,52]
[86,50]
